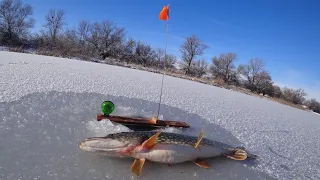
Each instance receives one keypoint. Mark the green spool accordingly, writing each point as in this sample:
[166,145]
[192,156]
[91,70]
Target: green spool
[107,107]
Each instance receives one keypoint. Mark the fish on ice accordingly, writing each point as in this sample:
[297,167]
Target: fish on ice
[162,147]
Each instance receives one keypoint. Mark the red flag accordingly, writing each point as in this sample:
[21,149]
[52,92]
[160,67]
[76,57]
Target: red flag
[164,14]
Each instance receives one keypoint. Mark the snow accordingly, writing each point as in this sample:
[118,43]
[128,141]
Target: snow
[48,105]
[316,113]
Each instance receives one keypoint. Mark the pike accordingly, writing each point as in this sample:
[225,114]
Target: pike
[162,147]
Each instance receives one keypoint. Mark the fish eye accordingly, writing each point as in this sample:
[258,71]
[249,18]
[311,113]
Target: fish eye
[110,135]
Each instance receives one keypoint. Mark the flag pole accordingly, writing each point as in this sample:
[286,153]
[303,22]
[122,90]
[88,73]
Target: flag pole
[164,64]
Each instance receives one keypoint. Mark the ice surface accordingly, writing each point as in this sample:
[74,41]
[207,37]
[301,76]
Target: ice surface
[48,105]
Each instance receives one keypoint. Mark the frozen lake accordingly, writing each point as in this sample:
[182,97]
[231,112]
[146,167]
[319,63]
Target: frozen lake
[48,105]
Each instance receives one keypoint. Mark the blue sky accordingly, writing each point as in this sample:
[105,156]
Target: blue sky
[285,34]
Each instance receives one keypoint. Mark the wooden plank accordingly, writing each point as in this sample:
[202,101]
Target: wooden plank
[142,121]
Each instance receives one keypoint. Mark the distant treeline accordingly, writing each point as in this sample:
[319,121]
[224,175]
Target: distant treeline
[105,40]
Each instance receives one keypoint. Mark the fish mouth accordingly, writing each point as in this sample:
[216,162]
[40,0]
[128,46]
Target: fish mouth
[102,145]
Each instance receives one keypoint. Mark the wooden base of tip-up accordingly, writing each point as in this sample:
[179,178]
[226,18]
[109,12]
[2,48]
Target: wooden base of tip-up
[142,123]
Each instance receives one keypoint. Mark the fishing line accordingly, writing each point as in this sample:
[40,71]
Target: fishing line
[164,65]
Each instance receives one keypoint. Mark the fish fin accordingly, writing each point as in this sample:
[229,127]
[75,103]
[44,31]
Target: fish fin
[199,139]
[202,163]
[153,120]
[151,142]
[137,165]
[237,154]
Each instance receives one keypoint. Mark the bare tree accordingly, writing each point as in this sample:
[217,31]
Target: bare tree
[94,39]
[145,55]
[15,21]
[313,105]
[277,91]
[170,61]
[83,32]
[55,20]
[128,50]
[190,49]
[257,78]
[223,67]
[199,68]
[159,57]
[263,83]
[254,67]
[296,96]
[106,38]
[217,68]
[241,68]
[112,37]
[69,44]
[164,60]
[251,71]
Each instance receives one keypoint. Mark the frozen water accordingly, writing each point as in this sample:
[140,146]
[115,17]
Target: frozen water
[48,105]
[40,134]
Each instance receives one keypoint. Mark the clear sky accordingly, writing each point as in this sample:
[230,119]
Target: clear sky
[285,34]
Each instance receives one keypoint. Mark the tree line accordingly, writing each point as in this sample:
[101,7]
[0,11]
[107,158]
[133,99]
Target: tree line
[104,40]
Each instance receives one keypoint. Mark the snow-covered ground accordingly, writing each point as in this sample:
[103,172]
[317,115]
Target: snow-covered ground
[48,105]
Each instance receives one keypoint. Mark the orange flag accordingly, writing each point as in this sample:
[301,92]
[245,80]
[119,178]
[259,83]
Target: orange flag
[164,14]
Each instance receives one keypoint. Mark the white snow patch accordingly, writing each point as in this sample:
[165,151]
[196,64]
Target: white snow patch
[316,113]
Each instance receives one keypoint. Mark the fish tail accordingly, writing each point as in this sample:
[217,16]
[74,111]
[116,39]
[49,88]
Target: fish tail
[251,156]
[237,154]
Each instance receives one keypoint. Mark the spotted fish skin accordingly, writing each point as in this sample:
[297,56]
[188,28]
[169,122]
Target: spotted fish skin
[171,147]
[167,138]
